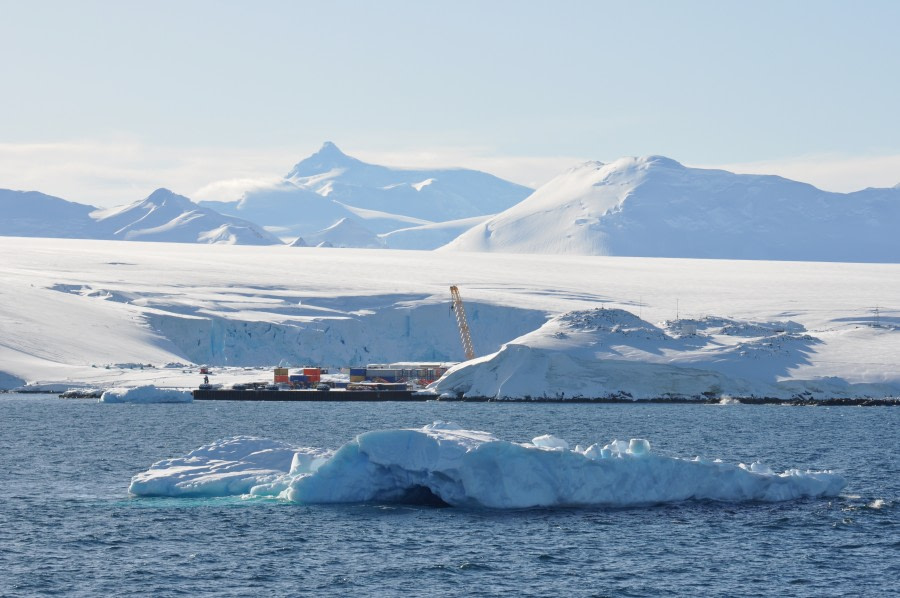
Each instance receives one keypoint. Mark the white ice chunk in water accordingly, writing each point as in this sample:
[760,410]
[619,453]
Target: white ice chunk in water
[638,447]
[146,394]
[759,467]
[594,452]
[470,468]
[617,448]
[550,442]
[224,468]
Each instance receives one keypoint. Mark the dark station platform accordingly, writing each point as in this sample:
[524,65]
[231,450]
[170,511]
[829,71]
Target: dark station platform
[308,395]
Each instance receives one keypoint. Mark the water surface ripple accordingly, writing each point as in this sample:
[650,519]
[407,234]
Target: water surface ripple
[68,527]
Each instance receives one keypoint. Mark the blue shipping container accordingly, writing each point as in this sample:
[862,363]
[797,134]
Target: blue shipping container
[357,371]
[299,378]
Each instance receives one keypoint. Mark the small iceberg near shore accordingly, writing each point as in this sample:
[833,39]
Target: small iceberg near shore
[443,463]
[146,394]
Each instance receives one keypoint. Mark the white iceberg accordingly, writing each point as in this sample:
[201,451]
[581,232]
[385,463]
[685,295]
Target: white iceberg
[225,468]
[442,462]
[146,394]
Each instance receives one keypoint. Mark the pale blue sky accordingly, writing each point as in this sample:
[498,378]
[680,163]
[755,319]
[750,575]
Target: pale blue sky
[116,94]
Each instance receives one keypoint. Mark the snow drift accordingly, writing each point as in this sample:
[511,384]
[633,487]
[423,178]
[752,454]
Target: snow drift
[470,469]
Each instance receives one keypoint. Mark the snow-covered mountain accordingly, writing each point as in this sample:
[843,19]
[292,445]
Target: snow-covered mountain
[166,216]
[33,214]
[654,206]
[429,236]
[330,186]
[163,216]
[435,195]
[603,353]
[343,233]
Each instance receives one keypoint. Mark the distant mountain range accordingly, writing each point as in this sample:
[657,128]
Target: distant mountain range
[328,199]
[330,186]
[656,207]
[645,207]
[163,216]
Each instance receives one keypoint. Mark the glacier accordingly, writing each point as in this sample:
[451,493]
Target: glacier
[101,314]
[442,463]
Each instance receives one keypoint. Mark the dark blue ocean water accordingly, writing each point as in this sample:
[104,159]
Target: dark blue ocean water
[68,527]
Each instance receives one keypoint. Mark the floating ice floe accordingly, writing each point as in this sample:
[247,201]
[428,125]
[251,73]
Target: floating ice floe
[470,469]
[146,394]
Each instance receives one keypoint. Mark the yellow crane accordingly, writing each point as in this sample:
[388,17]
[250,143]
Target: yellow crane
[461,321]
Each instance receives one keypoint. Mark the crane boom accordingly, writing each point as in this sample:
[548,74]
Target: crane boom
[463,324]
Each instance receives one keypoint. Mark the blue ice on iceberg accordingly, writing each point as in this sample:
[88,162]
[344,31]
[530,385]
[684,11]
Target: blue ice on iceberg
[470,469]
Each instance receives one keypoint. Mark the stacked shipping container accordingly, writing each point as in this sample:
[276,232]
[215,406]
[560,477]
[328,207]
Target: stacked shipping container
[281,376]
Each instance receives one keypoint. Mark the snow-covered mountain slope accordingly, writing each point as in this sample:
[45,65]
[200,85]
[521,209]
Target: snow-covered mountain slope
[167,217]
[344,233]
[429,236]
[435,195]
[611,353]
[329,186]
[654,206]
[758,327]
[163,216]
[287,211]
[33,214]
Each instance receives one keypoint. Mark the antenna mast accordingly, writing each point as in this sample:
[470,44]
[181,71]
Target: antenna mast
[461,321]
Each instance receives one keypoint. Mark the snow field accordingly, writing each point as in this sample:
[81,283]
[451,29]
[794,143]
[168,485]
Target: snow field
[73,309]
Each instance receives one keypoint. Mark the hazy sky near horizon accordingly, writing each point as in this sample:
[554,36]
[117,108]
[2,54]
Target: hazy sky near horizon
[103,101]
